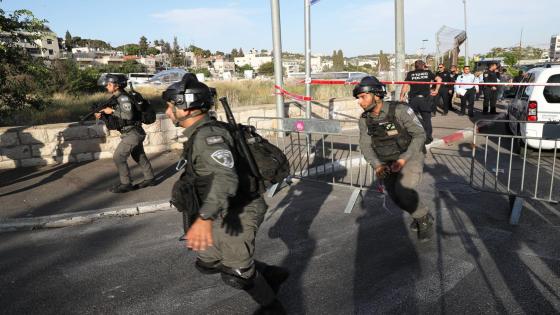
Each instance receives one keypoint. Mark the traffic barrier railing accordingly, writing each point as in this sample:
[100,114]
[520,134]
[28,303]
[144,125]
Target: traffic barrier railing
[518,166]
[320,150]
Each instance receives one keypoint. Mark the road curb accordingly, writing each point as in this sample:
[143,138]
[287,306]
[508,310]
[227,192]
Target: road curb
[82,217]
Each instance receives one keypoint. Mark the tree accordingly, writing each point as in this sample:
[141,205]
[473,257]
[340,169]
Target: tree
[384,63]
[243,68]
[143,46]
[156,42]
[68,43]
[131,66]
[166,49]
[267,68]
[234,53]
[176,58]
[241,54]
[22,78]
[152,51]
[131,50]
[510,59]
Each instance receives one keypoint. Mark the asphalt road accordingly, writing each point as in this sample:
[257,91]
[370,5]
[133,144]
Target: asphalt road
[365,262]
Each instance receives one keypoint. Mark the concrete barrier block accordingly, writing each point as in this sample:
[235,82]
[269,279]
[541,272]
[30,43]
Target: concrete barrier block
[170,136]
[82,157]
[166,124]
[102,155]
[64,159]
[154,127]
[8,164]
[16,153]
[110,144]
[8,139]
[33,136]
[176,146]
[155,148]
[48,149]
[83,146]
[33,162]
[155,138]
[76,133]
[97,131]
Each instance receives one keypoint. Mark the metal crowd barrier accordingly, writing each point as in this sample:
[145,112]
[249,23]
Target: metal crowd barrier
[320,150]
[507,164]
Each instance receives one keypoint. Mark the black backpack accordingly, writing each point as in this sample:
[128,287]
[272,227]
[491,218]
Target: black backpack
[143,106]
[271,161]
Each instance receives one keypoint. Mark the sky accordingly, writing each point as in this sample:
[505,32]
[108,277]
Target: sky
[358,27]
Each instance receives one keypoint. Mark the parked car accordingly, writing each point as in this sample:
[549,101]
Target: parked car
[139,78]
[536,103]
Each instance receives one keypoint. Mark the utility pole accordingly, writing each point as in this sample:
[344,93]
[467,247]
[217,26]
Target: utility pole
[277,48]
[424,41]
[520,48]
[307,27]
[399,45]
[467,34]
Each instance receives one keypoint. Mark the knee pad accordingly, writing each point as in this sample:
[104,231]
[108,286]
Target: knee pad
[238,278]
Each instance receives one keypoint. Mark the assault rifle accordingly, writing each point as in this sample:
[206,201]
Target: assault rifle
[96,108]
[240,135]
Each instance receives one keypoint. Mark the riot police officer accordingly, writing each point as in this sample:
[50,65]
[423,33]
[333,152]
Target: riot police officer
[121,114]
[420,97]
[445,91]
[229,210]
[392,141]
[491,75]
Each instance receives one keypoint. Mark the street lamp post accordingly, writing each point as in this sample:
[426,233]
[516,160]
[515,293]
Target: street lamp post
[399,44]
[466,33]
[277,52]
[423,56]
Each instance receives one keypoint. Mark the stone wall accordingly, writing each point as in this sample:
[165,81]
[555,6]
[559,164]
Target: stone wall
[74,142]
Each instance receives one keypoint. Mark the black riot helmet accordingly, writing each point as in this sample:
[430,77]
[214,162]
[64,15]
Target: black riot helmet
[370,84]
[116,78]
[189,93]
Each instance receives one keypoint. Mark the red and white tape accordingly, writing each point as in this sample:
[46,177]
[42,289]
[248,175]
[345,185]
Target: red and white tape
[343,82]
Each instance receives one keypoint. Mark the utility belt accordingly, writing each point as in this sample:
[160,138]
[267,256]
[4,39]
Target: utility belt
[129,125]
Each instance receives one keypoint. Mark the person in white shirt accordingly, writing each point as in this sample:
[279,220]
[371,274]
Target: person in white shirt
[467,91]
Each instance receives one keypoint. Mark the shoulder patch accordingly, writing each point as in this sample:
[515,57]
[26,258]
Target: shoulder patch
[124,101]
[223,157]
[214,140]
[412,114]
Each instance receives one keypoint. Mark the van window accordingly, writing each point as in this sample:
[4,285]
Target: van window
[525,91]
[552,93]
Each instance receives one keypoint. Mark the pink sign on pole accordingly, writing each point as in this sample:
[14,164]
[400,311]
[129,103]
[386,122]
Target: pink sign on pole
[300,126]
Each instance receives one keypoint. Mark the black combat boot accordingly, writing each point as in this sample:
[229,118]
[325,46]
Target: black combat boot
[425,227]
[146,183]
[274,308]
[121,188]
[274,275]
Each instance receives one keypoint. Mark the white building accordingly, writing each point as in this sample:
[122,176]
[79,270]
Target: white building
[554,53]
[46,46]
[221,65]
[252,59]
[83,50]
[292,65]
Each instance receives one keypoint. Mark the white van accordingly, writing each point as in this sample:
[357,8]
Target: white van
[536,103]
[139,78]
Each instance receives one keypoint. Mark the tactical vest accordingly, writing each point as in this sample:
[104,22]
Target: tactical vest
[389,138]
[191,188]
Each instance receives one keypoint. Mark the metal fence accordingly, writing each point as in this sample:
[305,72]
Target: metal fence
[321,150]
[518,166]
